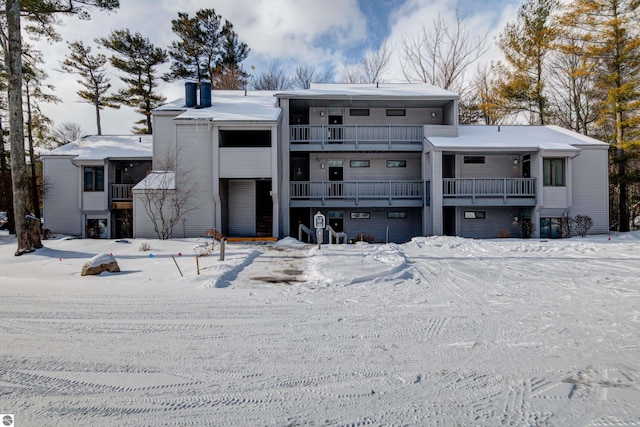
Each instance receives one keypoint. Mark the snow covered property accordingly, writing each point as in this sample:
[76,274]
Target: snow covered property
[439,331]
[382,162]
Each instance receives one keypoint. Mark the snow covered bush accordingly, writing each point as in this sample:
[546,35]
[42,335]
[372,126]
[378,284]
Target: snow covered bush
[583,224]
[204,249]
[144,247]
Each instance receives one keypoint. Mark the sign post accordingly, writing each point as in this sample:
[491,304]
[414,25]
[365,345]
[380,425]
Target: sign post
[319,223]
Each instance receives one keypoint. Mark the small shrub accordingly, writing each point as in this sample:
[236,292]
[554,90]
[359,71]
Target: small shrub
[47,234]
[144,247]
[503,234]
[583,224]
[362,237]
[565,227]
[527,227]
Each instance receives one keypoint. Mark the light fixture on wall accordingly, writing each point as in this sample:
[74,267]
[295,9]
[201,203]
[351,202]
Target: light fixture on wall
[299,172]
[515,162]
[321,113]
[321,165]
[434,114]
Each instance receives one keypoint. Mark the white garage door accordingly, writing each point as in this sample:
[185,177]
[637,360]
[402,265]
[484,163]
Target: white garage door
[242,208]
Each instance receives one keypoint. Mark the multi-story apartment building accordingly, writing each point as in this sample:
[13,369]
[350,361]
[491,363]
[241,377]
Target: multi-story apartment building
[387,161]
[88,185]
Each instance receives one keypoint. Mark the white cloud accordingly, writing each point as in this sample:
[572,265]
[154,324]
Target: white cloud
[321,33]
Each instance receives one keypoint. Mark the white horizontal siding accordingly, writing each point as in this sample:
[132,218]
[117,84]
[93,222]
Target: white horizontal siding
[61,191]
[590,189]
[163,140]
[94,200]
[245,162]
[555,197]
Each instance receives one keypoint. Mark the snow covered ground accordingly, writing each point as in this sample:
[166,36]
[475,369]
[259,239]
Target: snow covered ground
[438,331]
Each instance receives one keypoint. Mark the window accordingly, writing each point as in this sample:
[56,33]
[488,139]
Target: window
[553,171]
[396,112]
[359,163]
[478,160]
[396,163]
[96,228]
[94,178]
[245,138]
[360,112]
[360,215]
[397,215]
[474,215]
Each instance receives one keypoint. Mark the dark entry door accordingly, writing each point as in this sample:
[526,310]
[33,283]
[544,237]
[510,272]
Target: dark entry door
[335,129]
[449,220]
[336,220]
[336,176]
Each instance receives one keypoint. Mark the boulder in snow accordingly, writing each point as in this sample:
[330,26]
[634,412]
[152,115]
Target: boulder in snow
[100,263]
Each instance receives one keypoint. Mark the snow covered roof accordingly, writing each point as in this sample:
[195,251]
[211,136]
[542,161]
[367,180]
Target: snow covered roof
[515,138]
[157,180]
[101,147]
[230,106]
[370,90]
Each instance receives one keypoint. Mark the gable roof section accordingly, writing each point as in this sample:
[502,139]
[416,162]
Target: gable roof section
[551,139]
[157,180]
[103,147]
[230,106]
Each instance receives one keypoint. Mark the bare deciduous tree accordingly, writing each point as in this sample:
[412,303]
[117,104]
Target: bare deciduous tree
[273,78]
[440,55]
[164,202]
[371,68]
[307,74]
[65,133]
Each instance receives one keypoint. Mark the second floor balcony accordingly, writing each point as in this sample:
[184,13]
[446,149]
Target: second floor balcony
[356,137]
[354,193]
[121,192]
[489,191]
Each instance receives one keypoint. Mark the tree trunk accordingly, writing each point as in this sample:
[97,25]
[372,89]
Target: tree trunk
[35,199]
[97,105]
[27,241]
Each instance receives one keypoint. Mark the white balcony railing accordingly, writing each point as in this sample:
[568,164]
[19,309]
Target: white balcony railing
[489,187]
[357,190]
[121,192]
[356,134]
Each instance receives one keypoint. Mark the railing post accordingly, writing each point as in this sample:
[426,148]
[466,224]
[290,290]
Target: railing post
[504,190]
[389,135]
[357,192]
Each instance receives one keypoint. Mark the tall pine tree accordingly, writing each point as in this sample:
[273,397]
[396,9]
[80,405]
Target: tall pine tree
[137,58]
[611,42]
[207,49]
[526,44]
[93,77]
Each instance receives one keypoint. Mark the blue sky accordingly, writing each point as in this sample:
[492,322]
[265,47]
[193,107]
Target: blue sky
[327,33]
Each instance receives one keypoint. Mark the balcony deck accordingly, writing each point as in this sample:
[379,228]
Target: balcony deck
[356,137]
[489,191]
[354,193]
[121,193]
